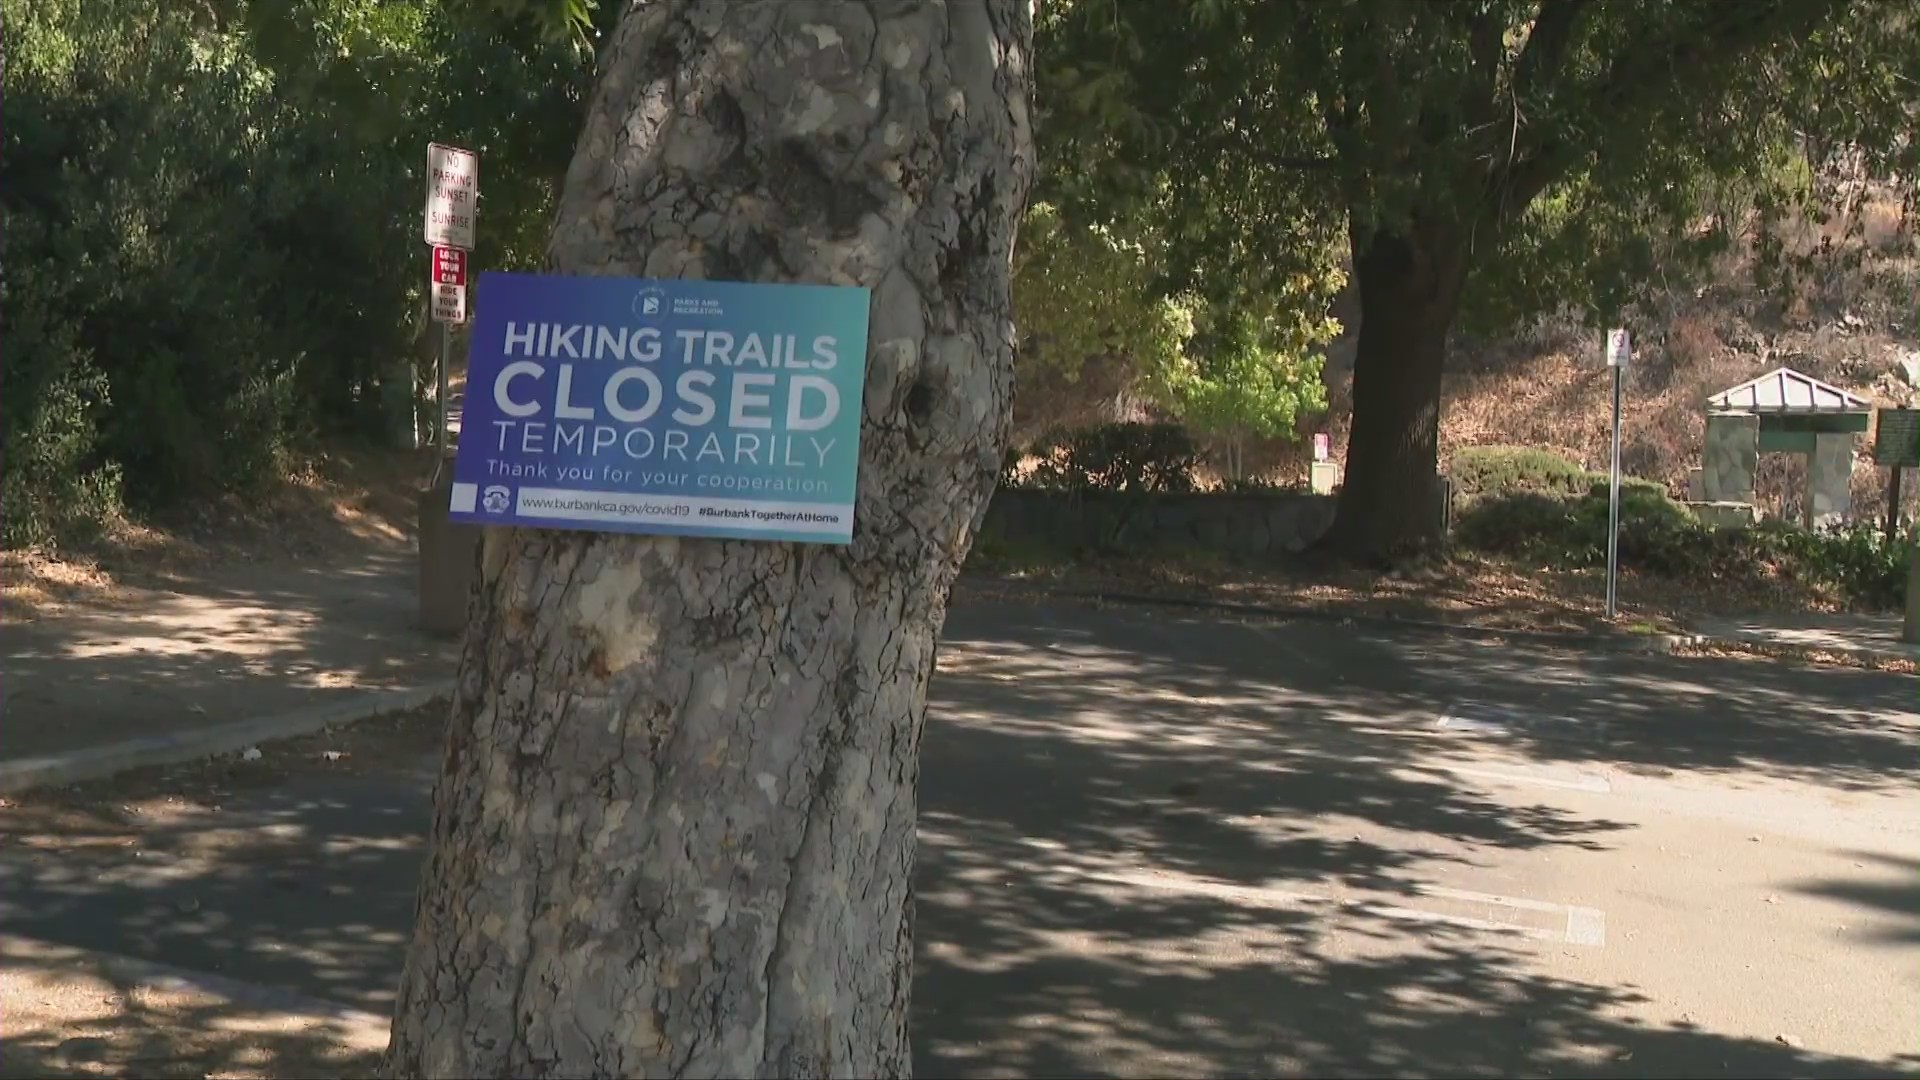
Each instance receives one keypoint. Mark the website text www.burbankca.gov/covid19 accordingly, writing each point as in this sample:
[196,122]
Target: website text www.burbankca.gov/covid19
[564,505]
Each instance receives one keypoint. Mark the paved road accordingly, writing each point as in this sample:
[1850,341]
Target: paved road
[1157,845]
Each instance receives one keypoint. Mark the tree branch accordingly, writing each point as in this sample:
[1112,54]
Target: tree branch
[1652,72]
[1555,28]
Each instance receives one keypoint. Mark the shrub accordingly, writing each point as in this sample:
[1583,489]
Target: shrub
[1656,533]
[1256,485]
[1659,536]
[1127,457]
[1528,525]
[1855,562]
[1499,470]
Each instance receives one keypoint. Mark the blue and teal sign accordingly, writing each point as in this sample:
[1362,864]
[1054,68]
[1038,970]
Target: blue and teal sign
[694,408]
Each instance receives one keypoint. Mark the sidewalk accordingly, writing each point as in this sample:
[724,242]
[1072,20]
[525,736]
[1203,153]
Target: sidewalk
[1868,637]
[215,647]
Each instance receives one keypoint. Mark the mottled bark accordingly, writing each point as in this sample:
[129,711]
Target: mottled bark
[675,828]
[1409,284]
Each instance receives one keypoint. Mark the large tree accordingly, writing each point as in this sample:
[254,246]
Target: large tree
[674,831]
[1427,132]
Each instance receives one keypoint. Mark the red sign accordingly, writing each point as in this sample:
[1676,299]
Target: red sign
[449,266]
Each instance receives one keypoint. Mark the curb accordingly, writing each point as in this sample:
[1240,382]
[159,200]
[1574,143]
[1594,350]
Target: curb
[1628,644]
[95,762]
[1658,644]
[1858,659]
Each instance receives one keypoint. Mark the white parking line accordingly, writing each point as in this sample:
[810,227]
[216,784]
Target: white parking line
[1585,925]
[1572,781]
[1407,914]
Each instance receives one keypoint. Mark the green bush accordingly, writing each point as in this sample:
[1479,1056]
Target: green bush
[1656,533]
[1528,525]
[1501,470]
[1631,487]
[1659,536]
[1126,457]
[199,269]
[1855,561]
[1257,485]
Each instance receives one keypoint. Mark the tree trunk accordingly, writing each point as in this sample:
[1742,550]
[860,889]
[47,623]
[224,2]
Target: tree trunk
[1409,286]
[674,832]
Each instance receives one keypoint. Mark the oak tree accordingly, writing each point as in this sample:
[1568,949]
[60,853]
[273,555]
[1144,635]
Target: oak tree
[1425,134]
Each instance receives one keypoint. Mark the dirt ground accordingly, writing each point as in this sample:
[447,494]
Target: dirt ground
[362,501]
[340,504]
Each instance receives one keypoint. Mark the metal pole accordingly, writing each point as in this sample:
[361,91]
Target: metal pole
[1893,503]
[1613,504]
[446,335]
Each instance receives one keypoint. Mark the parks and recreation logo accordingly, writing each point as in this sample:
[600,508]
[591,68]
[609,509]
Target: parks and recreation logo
[652,303]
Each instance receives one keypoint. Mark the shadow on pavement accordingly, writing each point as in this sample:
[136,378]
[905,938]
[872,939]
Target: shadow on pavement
[1145,846]
[1841,727]
[1131,858]
[1888,908]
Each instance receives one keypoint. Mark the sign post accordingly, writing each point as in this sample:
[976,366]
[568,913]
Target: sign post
[1619,354]
[453,191]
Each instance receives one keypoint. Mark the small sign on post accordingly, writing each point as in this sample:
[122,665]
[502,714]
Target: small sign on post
[453,189]
[1322,446]
[449,303]
[1619,348]
[453,194]
[449,266]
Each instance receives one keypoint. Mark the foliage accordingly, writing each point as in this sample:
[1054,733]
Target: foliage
[1856,561]
[165,337]
[1659,536]
[1257,485]
[1637,117]
[1082,294]
[1249,383]
[212,229]
[1500,470]
[1128,457]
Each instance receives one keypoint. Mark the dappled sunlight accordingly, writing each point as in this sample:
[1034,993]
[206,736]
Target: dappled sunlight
[310,884]
[71,1013]
[216,646]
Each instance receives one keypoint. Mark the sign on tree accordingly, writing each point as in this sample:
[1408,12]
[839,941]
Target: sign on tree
[689,408]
